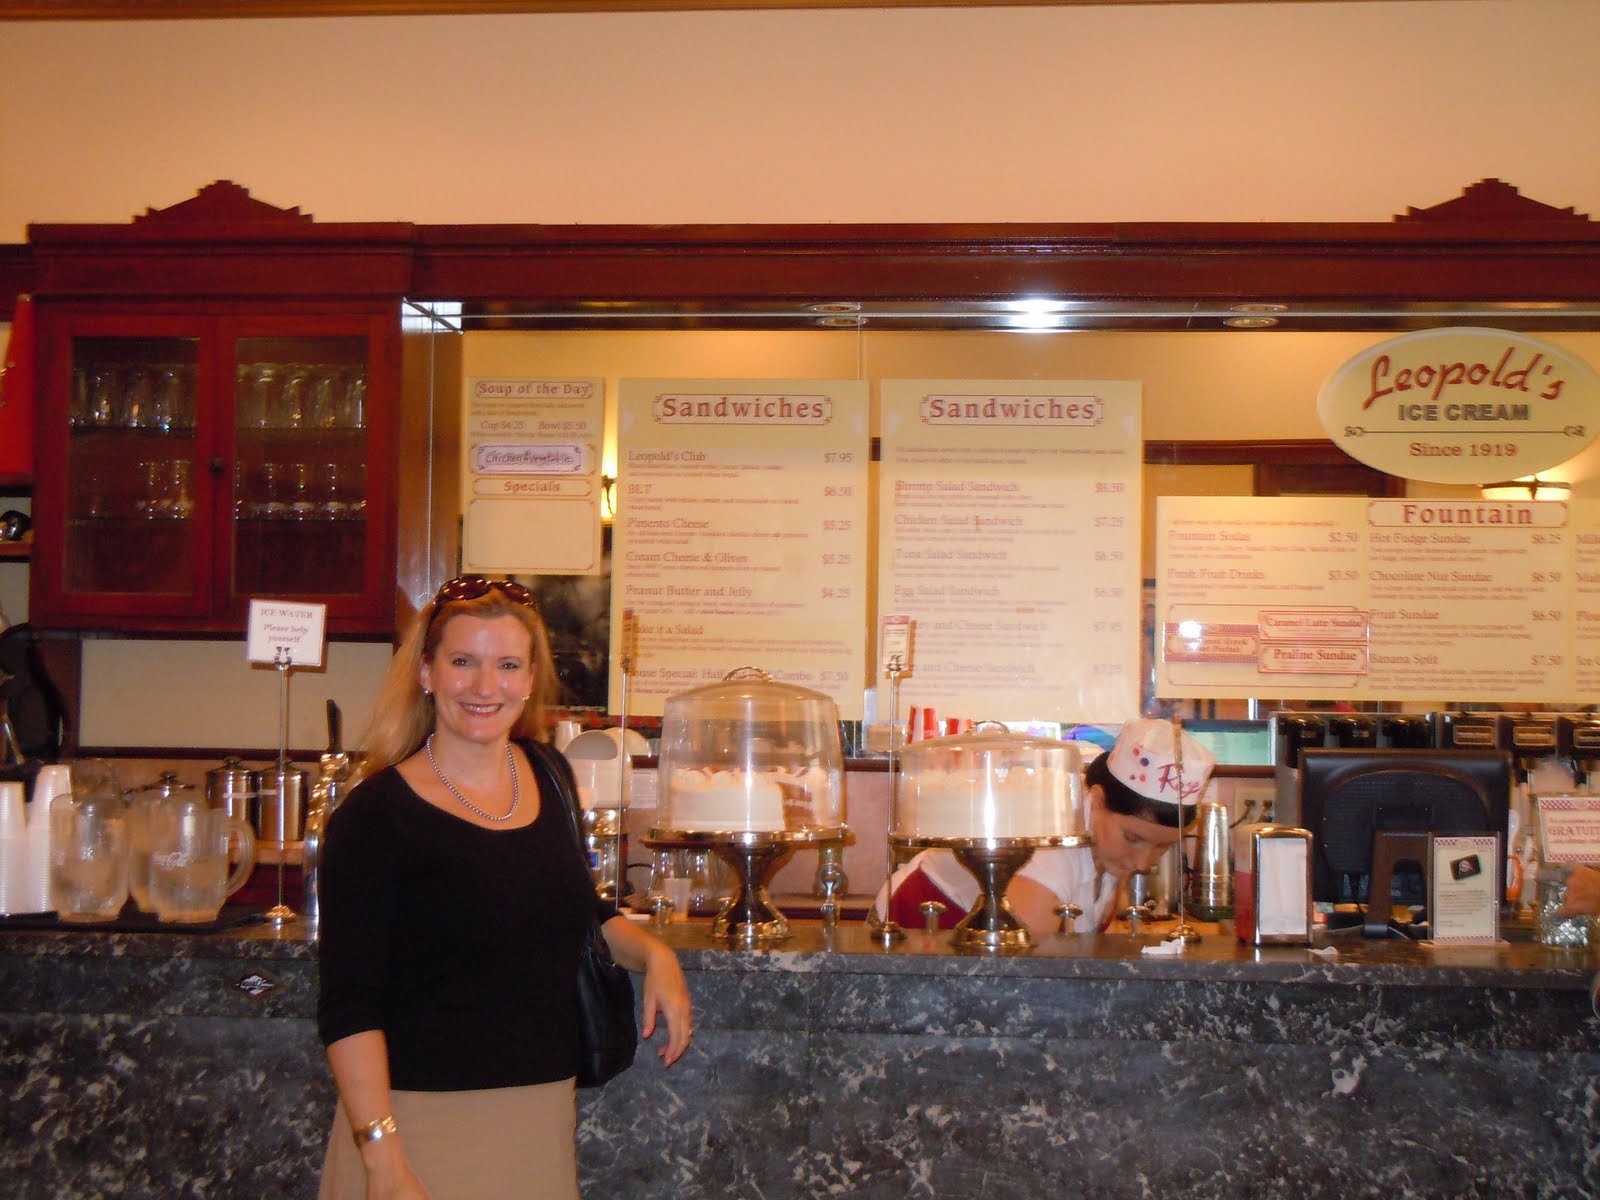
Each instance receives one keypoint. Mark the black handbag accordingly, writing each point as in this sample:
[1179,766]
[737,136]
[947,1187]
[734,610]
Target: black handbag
[608,1031]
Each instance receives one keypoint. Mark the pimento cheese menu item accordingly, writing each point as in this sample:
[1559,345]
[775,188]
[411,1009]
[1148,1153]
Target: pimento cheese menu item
[741,534]
[1008,529]
[1460,599]
[530,476]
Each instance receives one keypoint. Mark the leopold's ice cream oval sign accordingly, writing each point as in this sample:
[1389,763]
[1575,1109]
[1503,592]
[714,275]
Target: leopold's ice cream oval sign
[1462,405]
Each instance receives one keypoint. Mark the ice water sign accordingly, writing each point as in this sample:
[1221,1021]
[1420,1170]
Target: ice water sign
[1463,406]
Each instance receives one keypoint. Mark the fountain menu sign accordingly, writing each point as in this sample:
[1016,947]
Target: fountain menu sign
[741,535]
[1008,530]
[1403,599]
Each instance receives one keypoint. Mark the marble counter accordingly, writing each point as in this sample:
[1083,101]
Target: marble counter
[168,1065]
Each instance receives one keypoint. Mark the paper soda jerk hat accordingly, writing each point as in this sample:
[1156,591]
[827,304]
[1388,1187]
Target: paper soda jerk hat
[1144,759]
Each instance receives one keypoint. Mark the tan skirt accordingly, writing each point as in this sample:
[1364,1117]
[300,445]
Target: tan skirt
[516,1143]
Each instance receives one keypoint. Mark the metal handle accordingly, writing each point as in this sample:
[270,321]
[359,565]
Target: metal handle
[1069,913]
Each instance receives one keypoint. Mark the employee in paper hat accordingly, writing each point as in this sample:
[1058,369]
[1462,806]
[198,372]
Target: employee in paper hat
[1138,802]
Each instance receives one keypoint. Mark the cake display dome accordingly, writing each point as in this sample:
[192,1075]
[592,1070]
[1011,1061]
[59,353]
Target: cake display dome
[751,755]
[990,785]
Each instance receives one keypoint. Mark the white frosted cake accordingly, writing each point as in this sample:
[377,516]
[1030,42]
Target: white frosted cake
[735,801]
[1015,803]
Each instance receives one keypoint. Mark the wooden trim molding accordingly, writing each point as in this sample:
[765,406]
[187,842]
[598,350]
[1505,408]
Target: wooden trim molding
[127,10]
[1489,246]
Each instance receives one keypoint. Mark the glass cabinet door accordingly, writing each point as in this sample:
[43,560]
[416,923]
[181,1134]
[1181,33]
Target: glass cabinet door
[134,498]
[299,463]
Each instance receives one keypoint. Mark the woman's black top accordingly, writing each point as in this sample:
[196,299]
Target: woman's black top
[460,943]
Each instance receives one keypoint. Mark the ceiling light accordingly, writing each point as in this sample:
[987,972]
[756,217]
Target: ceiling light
[1249,322]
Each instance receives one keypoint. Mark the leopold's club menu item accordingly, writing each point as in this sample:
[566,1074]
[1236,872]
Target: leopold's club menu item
[530,477]
[1460,600]
[1009,531]
[741,534]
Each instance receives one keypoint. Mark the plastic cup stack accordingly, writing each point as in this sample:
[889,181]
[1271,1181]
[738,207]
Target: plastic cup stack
[53,781]
[13,849]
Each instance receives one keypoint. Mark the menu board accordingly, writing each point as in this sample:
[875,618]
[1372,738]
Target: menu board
[1461,600]
[741,535]
[530,476]
[1008,530]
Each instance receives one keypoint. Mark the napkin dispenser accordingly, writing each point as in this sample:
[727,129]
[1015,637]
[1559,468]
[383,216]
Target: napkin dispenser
[1272,884]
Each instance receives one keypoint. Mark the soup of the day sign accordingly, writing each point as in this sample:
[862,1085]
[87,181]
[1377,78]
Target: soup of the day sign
[1461,406]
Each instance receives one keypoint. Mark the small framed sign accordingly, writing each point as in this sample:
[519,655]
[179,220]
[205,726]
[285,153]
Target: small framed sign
[1465,902]
[897,645]
[286,633]
[1569,829]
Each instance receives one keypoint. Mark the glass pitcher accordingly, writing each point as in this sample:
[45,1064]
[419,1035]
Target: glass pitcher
[89,846]
[191,845]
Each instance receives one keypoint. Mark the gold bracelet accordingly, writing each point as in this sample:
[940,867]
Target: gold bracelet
[374,1131]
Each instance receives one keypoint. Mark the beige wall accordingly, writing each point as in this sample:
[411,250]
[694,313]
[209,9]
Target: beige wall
[1279,112]
[1290,111]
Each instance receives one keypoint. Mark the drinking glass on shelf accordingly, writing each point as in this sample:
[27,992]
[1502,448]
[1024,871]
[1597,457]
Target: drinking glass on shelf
[323,406]
[253,384]
[175,497]
[166,399]
[102,402]
[138,399]
[301,504]
[147,501]
[272,485]
[333,491]
[78,409]
[289,408]
[353,401]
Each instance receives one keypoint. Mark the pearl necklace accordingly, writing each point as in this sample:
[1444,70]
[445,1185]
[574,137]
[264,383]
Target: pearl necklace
[516,792]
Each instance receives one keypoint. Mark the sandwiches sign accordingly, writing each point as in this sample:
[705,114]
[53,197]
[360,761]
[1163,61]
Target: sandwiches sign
[1462,406]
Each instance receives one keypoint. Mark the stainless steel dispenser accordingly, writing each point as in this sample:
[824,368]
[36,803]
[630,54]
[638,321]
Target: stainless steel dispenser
[1405,731]
[333,773]
[1293,732]
[1581,733]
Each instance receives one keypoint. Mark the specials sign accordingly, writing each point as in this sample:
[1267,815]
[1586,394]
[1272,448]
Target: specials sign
[1461,406]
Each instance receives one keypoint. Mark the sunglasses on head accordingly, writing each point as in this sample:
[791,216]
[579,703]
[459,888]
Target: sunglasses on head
[472,587]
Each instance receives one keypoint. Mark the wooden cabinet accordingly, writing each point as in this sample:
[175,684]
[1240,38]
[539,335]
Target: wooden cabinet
[188,463]
[221,427]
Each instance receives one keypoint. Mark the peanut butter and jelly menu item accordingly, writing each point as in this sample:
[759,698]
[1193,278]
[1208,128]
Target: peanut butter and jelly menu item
[1008,529]
[741,534]
[1460,599]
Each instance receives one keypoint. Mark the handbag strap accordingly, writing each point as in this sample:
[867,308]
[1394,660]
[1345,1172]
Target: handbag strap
[557,772]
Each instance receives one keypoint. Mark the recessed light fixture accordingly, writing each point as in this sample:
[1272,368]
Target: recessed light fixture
[854,321]
[835,306]
[1249,322]
[1258,307]
[1036,304]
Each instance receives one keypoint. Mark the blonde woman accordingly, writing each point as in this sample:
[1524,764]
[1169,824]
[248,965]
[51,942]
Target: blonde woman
[454,908]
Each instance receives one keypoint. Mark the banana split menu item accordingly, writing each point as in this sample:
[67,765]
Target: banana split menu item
[1463,599]
[741,534]
[531,476]
[1009,529]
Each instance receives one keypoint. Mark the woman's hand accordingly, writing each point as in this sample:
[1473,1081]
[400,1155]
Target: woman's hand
[389,1175]
[1583,892]
[666,992]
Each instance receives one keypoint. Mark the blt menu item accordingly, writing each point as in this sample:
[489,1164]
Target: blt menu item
[1008,520]
[531,476]
[1465,599]
[741,534]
